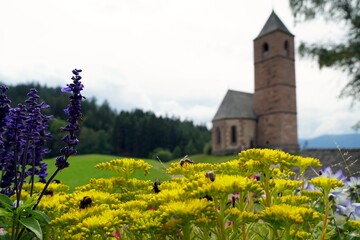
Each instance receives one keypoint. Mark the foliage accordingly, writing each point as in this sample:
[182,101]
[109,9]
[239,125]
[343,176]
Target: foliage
[255,196]
[344,55]
[163,154]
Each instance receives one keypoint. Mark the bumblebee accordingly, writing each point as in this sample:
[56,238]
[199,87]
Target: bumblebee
[156,186]
[207,197]
[185,160]
[85,202]
[49,192]
[210,175]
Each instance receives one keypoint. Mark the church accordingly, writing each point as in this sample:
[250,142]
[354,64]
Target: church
[266,118]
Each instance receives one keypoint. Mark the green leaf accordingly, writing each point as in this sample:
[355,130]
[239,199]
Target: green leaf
[28,204]
[5,213]
[33,225]
[39,215]
[6,201]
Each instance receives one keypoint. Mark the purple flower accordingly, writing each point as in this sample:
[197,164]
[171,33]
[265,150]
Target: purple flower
[74,112]
[23,138]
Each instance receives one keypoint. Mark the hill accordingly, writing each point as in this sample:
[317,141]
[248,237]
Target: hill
[332,141]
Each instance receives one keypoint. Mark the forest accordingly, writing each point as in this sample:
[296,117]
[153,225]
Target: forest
[135,133]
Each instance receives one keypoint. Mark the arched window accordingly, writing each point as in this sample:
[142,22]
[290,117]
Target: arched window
[286,48]
[265,49]
[218,136]
[233,135]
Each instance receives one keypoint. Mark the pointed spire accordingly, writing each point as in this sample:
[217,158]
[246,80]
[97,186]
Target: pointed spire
[273,24]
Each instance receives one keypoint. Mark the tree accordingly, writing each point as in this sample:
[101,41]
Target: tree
[343,55]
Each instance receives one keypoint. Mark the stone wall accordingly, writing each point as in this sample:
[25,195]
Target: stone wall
[348,160]
[245,135]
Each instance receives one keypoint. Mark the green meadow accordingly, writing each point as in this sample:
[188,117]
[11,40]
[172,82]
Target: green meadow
[82,168]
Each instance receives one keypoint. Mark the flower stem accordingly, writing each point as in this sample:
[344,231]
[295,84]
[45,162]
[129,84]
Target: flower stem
[327,208]
[45,187]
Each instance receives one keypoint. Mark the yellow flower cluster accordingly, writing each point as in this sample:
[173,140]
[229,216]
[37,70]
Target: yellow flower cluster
[326,183]
[222,186]
[284,215]
[263,160]
[188,170]
[200,201]
[125,167]
[284,186]
[53,188]
[305,162]
[241,217]
[188,210]
[294,200]
[354,224]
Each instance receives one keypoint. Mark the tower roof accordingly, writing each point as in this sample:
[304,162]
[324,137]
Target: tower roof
[273,24]
[236,105]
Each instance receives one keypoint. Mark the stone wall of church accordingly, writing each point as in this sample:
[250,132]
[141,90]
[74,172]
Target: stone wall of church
[278,131]
[235,135]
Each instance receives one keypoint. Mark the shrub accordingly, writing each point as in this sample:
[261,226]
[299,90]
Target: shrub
[163,154]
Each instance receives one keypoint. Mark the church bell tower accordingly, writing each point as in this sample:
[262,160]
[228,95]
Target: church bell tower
[275,87]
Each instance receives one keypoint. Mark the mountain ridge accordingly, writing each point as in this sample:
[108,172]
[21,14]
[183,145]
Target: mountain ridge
[331,141]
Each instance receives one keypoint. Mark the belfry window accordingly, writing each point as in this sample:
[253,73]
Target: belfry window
[265,49]
[233,135]
[218,136]
[286,48]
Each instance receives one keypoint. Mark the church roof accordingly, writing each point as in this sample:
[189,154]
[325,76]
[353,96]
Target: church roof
[273,24]
[236,105]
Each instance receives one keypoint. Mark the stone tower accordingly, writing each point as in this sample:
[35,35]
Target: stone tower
[275,87]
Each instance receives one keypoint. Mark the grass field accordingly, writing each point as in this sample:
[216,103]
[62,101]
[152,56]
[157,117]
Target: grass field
[82,169]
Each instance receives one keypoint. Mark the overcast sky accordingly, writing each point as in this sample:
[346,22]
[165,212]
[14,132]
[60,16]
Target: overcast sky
[177,58]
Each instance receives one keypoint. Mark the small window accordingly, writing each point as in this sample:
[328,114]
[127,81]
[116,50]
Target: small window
[218,136]
[233,135]
[265,49]
[286,48]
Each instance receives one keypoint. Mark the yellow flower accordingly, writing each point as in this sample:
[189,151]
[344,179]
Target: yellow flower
[222,186]
[241,217]
[313,195]
[305,162]
[189,170]
[285,185]
[326,183]
[294,200]
[130,187]
[301,235]
[188,210]
[97,221]
[135,204]
[168,195]
[75,199]
[125,166]
[149,221]
[354,224]
[264,160]
[53,187]
[286,215]
[53,206]
[232,167]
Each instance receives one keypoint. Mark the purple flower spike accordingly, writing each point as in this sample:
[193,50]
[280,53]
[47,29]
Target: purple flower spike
[22,142]
[74,112]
